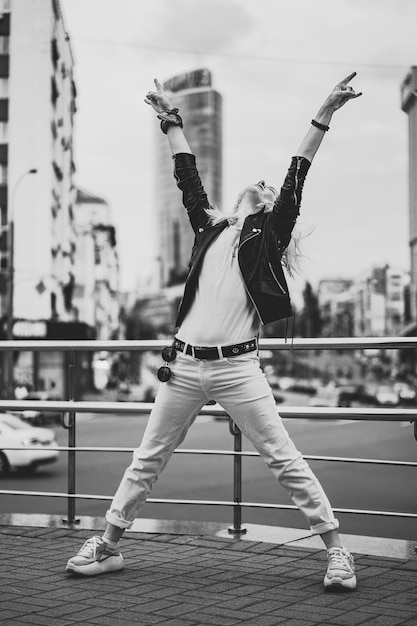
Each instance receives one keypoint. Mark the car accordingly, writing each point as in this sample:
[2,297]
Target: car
[325,396]
[42,417]
[14,433]
[355,394]
[386,396]
[406,393]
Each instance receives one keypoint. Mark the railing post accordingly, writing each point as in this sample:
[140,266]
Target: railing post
[237,529]
[71,443]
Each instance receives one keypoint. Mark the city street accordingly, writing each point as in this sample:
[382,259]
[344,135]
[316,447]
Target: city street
[210,477]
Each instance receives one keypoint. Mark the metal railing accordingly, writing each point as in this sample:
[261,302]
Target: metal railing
[71,407]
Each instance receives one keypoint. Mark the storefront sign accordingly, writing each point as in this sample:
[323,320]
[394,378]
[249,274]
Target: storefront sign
[35,329]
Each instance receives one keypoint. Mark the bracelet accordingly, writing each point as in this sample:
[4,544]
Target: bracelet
[322,127]
[169,118]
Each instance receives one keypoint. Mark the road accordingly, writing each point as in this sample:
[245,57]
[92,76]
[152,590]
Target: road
[348,485]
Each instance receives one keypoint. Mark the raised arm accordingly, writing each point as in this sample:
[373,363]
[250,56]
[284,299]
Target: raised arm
[341,94]
[188,180]
[287,205]
[161,104]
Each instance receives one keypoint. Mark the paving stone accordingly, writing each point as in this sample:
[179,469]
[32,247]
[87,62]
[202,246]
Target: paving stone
[266,620]
[195,581]
[128,618]
[42,620]
[353,618]
[384,620]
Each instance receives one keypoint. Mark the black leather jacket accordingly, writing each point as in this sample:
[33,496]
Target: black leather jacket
[263,239]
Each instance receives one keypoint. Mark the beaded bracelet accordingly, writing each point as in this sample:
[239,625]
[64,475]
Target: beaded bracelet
[169,118]
[322,127]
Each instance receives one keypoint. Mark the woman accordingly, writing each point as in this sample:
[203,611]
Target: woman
[235,283]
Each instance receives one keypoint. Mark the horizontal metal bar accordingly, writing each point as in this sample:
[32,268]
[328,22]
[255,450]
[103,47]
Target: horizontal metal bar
[308,457]
[53,494]
[217,453]
[262,505]
[259,505]
[84,496]
[143,408]
[329,343]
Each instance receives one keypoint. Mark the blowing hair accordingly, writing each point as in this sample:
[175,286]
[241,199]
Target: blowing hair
[292,257]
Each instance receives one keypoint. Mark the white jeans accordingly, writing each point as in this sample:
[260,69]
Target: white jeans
[240,387]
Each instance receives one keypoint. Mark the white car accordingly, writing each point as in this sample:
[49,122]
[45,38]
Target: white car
[386,396]
[14,433]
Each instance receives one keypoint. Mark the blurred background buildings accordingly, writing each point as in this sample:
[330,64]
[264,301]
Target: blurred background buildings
[201,109]
[59,268]
[59,273]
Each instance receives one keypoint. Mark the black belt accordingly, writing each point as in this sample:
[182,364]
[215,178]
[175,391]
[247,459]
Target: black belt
[216,352]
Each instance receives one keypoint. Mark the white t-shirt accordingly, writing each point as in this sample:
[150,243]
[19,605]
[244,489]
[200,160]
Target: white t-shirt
[222,312]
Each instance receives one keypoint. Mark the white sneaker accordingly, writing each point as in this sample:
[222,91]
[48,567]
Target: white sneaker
[340,570]
[95,557]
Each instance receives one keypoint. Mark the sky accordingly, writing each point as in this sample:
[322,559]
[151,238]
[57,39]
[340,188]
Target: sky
[274,62]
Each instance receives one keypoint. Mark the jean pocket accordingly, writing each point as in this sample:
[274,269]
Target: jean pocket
[241,359]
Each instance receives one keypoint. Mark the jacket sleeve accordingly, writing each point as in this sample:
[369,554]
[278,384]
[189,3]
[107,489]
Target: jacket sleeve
[287,205]
[194,197]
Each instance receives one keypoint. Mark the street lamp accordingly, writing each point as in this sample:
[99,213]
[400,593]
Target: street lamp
[10,286]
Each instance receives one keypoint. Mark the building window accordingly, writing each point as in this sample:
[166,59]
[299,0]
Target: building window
[4,64]
[54,91]
[4,109]
[54,313]
[54,52]
[55,7]
[3,173]
[4,21]
[57,170]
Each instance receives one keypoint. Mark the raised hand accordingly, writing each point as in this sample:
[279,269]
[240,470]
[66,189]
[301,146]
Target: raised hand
[158,99]
[342,93]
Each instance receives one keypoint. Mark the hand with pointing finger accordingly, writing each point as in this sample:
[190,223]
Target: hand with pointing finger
[342,93]
[158,99]
[338,97]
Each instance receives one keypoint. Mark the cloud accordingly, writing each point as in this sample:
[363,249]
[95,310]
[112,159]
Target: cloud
[273,61]
[206,25]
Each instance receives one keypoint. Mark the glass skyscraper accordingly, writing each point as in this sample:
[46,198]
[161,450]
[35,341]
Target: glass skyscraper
[200,106]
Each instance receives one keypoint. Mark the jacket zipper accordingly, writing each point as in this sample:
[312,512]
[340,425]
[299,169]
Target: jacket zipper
[258,232]
[276,279]
[296,182]
[244,283]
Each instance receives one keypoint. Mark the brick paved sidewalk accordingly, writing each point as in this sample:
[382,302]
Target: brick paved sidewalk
[195,580]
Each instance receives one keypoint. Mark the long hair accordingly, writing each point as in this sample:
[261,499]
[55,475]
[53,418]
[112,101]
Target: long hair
[217,216]
[292,257]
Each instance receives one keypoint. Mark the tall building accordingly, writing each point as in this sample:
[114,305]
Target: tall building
[96,287]
[37,109]
[409,106]
[200,106]
[335,301]
[36,129]
[379,303]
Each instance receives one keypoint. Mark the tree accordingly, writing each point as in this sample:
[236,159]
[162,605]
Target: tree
[310,323]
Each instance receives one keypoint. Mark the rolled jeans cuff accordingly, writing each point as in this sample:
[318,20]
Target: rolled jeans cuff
[116,521]
[325,527]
